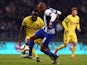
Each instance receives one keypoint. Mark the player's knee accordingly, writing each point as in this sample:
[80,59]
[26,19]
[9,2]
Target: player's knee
[42,49]
[65,44]
[74,43]
[31,38]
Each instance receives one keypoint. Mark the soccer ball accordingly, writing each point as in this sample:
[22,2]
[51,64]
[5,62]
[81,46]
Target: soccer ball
[24,49]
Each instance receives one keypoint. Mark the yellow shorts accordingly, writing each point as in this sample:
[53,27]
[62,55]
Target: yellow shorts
[70,38]
[39,41]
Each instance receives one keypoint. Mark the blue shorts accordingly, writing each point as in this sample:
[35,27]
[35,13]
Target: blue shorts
[46,37]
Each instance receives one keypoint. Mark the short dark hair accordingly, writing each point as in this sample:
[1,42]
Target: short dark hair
[35,12]
[74,8]
[42,3]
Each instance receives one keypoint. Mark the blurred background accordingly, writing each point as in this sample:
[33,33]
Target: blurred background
[12,13]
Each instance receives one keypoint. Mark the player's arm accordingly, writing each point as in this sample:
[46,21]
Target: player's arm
[21,32]
[64,23]
[52,15]
[53,18]
[78,26]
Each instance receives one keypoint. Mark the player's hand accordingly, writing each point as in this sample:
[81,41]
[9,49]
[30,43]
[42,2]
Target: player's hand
[18,45]
[50,24]
[79,30]
[67,31]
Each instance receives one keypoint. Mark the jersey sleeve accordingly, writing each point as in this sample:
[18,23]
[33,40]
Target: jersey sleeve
[59,12]
[23,22]
[65,23]
[50,13]
[78,24]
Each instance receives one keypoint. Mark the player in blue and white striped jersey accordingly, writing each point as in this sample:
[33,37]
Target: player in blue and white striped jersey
[47,32]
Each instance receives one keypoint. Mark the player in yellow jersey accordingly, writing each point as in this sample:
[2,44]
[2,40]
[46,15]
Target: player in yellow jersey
[31,24]
[70,24]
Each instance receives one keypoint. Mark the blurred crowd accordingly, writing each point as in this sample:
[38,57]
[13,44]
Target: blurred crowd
[12,13]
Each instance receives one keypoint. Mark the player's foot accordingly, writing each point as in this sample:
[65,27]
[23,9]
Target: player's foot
[30,57]
[51,57]
[24,56]
[38,59]
[55,60]
[73,57]
[56,51]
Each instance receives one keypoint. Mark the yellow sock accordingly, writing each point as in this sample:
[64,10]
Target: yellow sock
[74,50]
[60,47]
[34,53]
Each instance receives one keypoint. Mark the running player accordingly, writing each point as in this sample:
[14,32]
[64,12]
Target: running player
[70,24]
[47,32]
[31,24]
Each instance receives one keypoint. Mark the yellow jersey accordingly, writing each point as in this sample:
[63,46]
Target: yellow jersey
[71,23]
[32,26]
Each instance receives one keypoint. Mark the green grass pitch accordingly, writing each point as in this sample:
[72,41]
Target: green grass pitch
[45,60]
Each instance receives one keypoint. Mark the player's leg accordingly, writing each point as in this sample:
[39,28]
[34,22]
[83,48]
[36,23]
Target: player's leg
[38,41]
[66,41]
[73,51]
[31,44]
[31,49]
[34,53]
[74,39]
[46,50]
[71,46]
[53,56]
[37,35]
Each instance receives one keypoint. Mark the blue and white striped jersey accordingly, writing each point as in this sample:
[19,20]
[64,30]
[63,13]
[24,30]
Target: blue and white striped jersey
[50,14]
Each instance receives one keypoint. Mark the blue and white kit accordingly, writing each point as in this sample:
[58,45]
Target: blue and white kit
[47,33]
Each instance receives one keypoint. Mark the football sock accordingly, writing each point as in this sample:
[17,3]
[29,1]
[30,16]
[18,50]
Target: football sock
[31,44]
[34,53]
[50,53]
[73,50]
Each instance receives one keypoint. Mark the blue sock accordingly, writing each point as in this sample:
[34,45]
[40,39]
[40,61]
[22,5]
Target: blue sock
[48,52]
[31,44]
